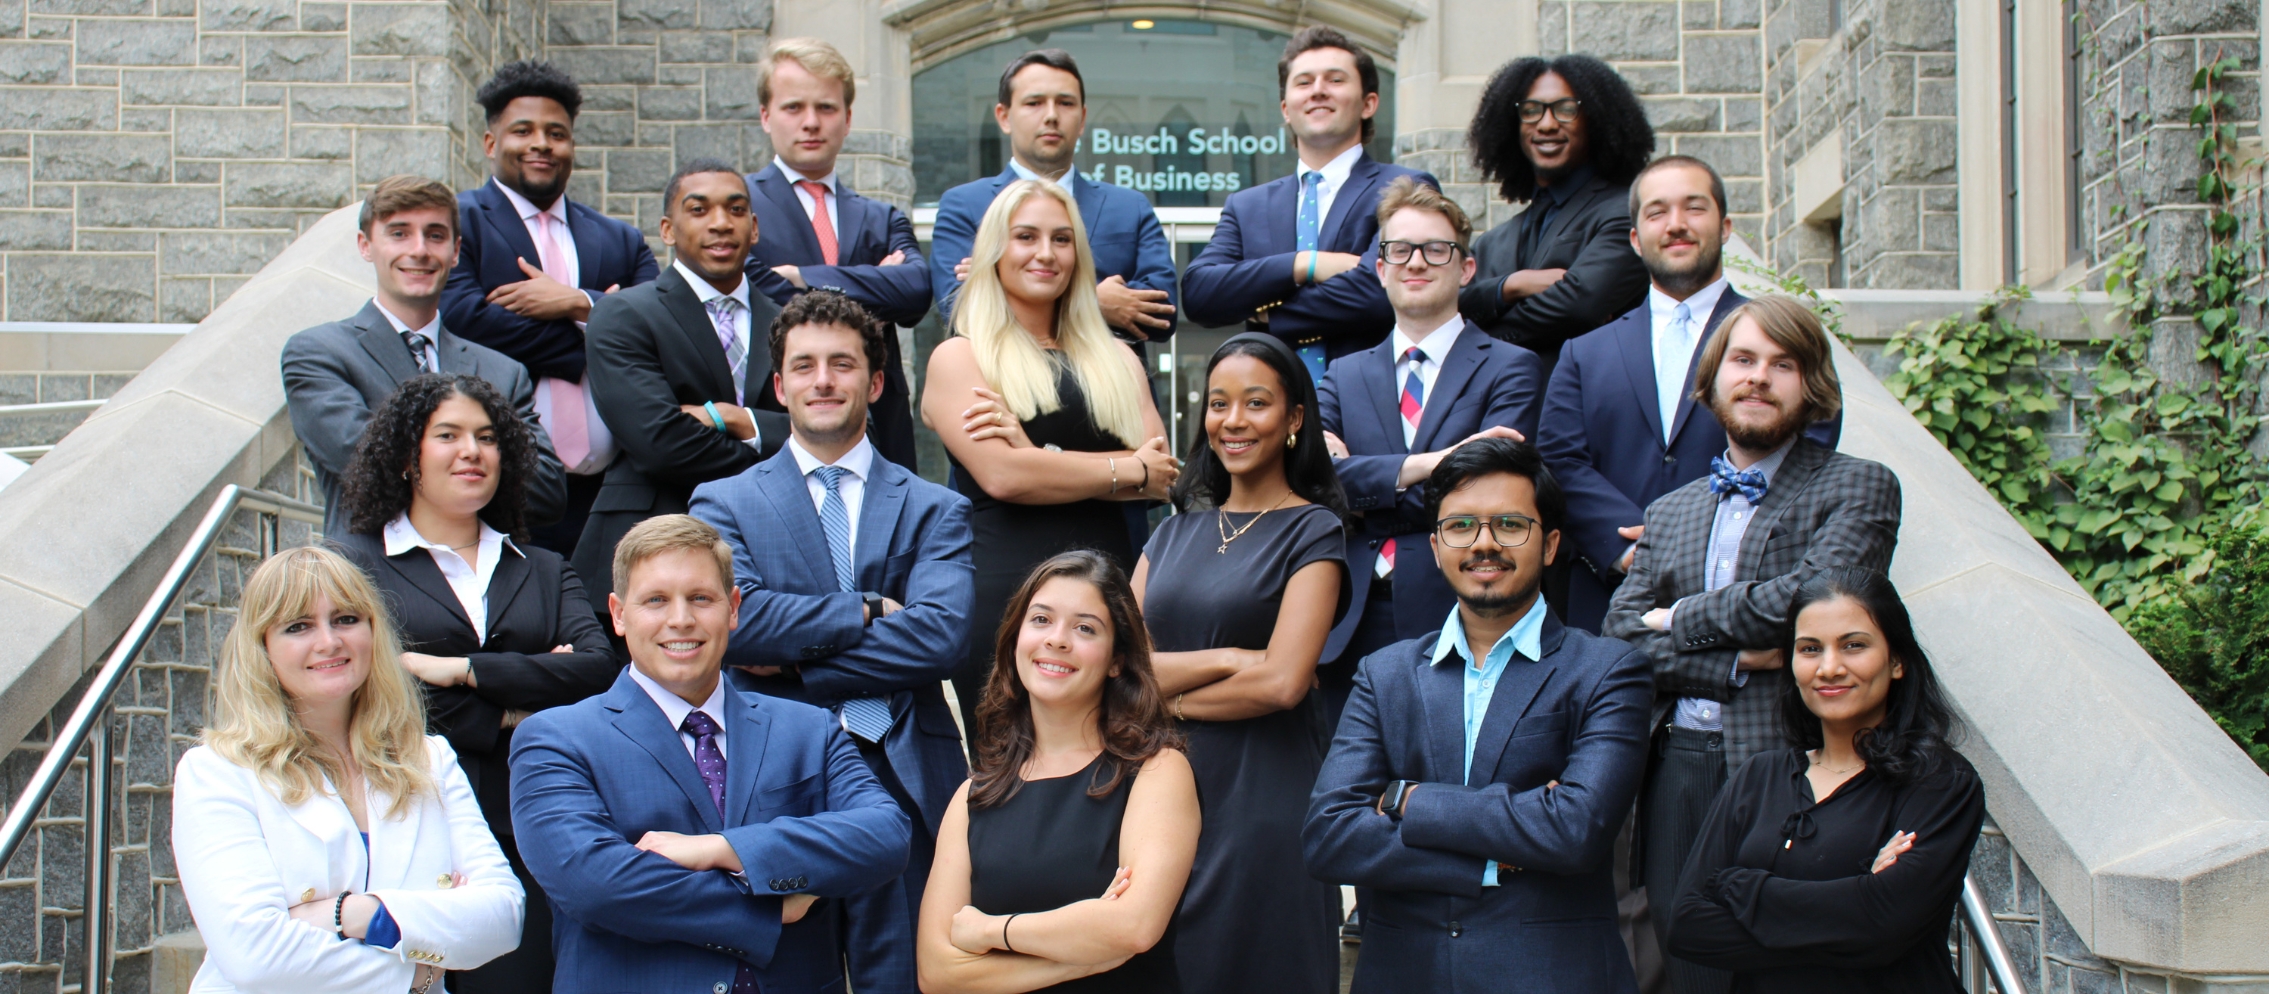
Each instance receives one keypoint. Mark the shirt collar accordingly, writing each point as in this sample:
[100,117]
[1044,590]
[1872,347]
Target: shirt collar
[674,708]
[401,536]
[527,208]
[1070,175]
[1525,637]
[857,462]
[795,177]
[1772,463]
[705,292]
[1438,342]
[1335,172]
[1700,305]
[1577,179]
[431,331]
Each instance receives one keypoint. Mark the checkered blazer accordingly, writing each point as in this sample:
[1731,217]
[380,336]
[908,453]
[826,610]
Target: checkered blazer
[1823,509]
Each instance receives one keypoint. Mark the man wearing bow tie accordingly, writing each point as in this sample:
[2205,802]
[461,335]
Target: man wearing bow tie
[1709,585]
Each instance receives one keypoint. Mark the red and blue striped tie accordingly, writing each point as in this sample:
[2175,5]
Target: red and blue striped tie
[1413,409]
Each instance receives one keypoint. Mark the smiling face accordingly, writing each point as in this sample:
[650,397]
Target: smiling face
[1046,112]
[1842,664]
[531,148]
[807,119]
[1324,104]
[1553,147]
[674,615]
[1063,649]
[710,227]
[824,383]
[323,655]
[413,251]
[457,459]
[1419,289]
[1249,416]
[1679,231]
[1042,250]
[1489,578]
[1759,389]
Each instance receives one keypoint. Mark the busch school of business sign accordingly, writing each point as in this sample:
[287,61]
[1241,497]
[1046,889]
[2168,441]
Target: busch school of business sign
[1193,146]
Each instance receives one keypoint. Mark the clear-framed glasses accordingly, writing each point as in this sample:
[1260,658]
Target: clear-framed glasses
[1436,253]
[1508,530]
[1565,108]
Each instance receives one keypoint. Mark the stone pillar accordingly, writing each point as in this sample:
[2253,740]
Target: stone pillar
[878,159]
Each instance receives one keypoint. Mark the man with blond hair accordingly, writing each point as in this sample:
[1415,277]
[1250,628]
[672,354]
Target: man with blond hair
[813,232]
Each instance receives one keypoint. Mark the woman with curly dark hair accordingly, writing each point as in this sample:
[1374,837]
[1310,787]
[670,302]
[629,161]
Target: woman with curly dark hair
[494,631]
[1566,136]
[1061,860]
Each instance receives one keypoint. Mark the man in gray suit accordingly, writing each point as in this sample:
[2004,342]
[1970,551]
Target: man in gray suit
[336,373]
[1708,591]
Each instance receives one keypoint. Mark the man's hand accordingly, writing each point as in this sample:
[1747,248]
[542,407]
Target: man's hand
[897,258]
[1752,660]
[1631,554]
[1657,619]
[889,607]
[541,298]
[694,852]
[738,422]
[792,275]
[439,671]
[1333,445]
[1530,282]
[1132,309]
[1326,264]
[1416,468]
[795,906]
[961,270]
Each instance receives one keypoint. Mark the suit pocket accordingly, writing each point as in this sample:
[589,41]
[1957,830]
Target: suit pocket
[1548,723]
[791,799]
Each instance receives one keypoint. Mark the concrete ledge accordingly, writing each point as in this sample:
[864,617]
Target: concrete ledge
[39,347]
[2069,316]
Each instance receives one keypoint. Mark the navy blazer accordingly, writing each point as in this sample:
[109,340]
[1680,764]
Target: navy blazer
[491,241]
[1249,263]
[802,811]
[1483,383]
[1122,231]
[1601,434]
[1579,716]
[865,231]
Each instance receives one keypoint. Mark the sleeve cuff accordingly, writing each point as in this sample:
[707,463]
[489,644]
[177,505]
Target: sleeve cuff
[1739,678]
[383,932]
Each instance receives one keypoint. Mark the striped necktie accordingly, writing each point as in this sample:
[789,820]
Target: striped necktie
[1413,411]
[865,717]
[721,311]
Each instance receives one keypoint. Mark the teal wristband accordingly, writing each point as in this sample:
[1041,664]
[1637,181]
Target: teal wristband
[714,417]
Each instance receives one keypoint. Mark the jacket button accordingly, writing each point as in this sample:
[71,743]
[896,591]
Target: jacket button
[720,988]
[1668,459]
[1456,930]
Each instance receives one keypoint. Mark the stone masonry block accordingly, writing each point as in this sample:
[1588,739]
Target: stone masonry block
[669,103]
[678,75]
[697,46]
[137,42]
[580,24]
[81,287]
[1552,27]
[186,300]
[601,128]
[228,134]
[1915,151]
[306,186]
[35,230]
[93,8]
[606,65]
[295,59]
[1917,25]
[103,206]
[322,16]
[2182,17]
[402,28]
[11,18]
[744,15]
[382,152]
[2167,72]
[39,63]
[730,94]
[322,143]
[246,15]
[638,170]
[439,95]
[378,69]
[202,87]
[15,184]
[1662,79]
[102,158]
[1723,63]
[1682,114]
[1732,156]
[1740,13]
[1622,31]
[16,146]
[665,14]
[214,252]
[350,104]
[714,141]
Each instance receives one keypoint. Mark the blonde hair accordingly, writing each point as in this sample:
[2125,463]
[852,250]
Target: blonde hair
[1793,327]
[669,533]
[1008,357]
[254,724]
[817,57]
[1406,193]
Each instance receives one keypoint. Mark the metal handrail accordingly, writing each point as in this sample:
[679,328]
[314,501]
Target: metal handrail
[55,406]
[1978,921]
[94,706]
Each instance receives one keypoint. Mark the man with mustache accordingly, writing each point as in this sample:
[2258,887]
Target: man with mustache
[1710,582]
[1509,748]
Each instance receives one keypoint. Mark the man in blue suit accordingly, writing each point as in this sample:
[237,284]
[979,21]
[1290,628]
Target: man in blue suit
[1043,109]
[814,232]
[684,829]
[1476,792]
[1294,256]
[856,586]
[532,264]
[1620,425]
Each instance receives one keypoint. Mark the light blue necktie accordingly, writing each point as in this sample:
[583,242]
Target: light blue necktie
[1307,235]
[865,717]
[1680,357]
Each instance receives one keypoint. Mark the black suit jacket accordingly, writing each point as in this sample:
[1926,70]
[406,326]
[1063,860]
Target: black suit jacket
[535,602]
[1590,237]
[653,348]
[492,241]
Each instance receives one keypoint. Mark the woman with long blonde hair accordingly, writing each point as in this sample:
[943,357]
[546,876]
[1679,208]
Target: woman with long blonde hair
[325,842]
[1047,418]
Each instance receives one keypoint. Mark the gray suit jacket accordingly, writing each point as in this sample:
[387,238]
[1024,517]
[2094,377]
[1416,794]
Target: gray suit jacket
[335,374]
[1823,509]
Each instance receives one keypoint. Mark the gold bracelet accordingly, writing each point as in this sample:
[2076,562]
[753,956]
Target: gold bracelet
[1178,707]
[1114,473]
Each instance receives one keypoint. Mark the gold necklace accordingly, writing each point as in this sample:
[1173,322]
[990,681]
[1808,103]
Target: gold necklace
[1228,536]
[1825,768]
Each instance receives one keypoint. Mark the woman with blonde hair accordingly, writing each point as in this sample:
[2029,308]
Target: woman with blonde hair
[1046,417]
[325,842]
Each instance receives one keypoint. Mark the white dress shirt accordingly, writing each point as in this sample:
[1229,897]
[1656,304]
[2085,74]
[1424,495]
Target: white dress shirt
[804,197]
[1071,189]
[855,464]
[430,359]
[1674,346]
[558,211]
[704,292]
[674,709]
[1335,177]
[467,580]
[1437,345]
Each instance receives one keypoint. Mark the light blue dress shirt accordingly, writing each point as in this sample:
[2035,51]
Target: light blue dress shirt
[1525,637]
[1726,531]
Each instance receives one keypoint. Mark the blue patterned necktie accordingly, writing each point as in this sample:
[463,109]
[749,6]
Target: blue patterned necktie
[1308,235]
[721,311]
[865,717]
[711,762]
[421,349]
[1724,479]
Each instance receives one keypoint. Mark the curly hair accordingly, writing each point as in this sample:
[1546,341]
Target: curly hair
[826,307]
[1614,122]
[383,474]
[529,78]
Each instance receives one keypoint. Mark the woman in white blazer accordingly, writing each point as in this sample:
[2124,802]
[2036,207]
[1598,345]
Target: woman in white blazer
[300,886]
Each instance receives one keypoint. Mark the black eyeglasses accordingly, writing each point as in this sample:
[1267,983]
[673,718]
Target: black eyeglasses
[1508,530]
[1565,109]
[1436,253]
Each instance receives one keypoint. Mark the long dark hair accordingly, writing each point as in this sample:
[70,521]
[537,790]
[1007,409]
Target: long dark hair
[1307,470]
[1614,123]
[383,474]
[1132,717]
[1918,727]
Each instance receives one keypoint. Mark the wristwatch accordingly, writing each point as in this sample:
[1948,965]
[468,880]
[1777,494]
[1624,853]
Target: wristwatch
[1397,794]
[874,607]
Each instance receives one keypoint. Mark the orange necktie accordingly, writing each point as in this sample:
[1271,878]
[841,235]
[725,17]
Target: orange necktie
[820,225]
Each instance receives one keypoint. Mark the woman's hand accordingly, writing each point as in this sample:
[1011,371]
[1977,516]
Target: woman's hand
[425,977]
[975,932]
[1900,842]
[989,417]
[440,671]
[1163,468]
[1120,881]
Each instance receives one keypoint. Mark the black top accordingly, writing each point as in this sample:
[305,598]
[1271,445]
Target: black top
[1199,597]
[1052,845]
[1778,889]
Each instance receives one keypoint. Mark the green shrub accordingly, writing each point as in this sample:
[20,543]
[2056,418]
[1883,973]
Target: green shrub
[2212,635]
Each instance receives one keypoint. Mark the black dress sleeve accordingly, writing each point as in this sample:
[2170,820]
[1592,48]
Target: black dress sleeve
[1701,930]
[532,678]
[1320,536]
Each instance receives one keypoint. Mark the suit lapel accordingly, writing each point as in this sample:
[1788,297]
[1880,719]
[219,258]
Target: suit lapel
[497,209]
[1788,483]
[1516,688]
[851,226]
[590,250]
[1441,692]
[391,843]
[775,186]
[882,500]
[504,584]
[1568,211]
[1727,301]
[1280,231]
[782,482]
[417,566]
[684,306]
[1359,181]
[641,721]
[1634,349]
[745,742]
[1090,203]
[384,344]
[1457,368]
[452,355]
[1382,395]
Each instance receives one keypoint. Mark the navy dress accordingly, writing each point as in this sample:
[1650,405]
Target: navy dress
[1252,918]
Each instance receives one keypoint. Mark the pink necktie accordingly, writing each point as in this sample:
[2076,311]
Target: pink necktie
[570,431]
[820,224]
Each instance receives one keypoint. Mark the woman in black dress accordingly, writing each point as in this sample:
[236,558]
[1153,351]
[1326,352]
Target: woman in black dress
[1835,865]
[494,630]
[1241,588]
[1060,861]
[1046,417]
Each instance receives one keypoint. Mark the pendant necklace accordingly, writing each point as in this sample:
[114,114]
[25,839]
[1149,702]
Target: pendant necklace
[1228,536]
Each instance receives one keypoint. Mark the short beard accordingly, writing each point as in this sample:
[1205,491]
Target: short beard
[1763,438]
[543,196]
[1496,605]
[1685,282]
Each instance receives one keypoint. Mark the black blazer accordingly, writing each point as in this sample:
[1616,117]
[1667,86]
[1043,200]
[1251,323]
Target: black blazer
[653,348]
[535,602]
[1590,238]
[492,240]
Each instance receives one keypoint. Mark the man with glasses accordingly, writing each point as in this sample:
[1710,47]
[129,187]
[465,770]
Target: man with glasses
[1565,136]
[1509,748]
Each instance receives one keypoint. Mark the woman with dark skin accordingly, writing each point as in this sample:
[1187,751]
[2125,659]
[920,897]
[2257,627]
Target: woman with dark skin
[1835,864]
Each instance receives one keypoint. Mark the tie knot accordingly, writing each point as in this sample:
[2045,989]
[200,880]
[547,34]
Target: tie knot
[417,344]
[723,306]
[1683,313]
[1311,178]
[1415,355]
[699,725]
[830,476]
[813,187]
[1724,479]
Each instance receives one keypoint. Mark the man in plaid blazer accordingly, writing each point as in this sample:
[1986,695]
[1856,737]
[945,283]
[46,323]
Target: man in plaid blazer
[1708,591]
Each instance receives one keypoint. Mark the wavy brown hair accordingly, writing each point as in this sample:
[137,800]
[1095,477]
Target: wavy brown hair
[1132,716]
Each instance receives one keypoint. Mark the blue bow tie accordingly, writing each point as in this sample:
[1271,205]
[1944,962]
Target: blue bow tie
[1724,479]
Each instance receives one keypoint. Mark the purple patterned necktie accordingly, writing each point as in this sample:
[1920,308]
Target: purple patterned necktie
[711,762]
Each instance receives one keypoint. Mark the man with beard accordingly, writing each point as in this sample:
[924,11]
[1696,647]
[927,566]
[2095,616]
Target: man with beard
[1621,427]
[1707,596]
[533,265]
[1509,747]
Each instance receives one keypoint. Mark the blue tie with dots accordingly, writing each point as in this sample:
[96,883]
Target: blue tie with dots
[711,762]
[865,717]
[1309,234]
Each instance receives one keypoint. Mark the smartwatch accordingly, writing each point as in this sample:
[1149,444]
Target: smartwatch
[874,607]
[1397,793]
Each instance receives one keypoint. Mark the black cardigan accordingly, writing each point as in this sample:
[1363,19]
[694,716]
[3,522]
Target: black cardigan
[1778,888]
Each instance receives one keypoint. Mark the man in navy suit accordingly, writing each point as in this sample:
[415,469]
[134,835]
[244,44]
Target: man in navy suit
[681,828]
[1620,425]
[1476,792]
[814,232]
[856,587]
[534,262]
[1043,110]
[1294,256]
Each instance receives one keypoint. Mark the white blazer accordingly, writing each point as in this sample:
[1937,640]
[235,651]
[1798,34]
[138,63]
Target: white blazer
[246,858]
